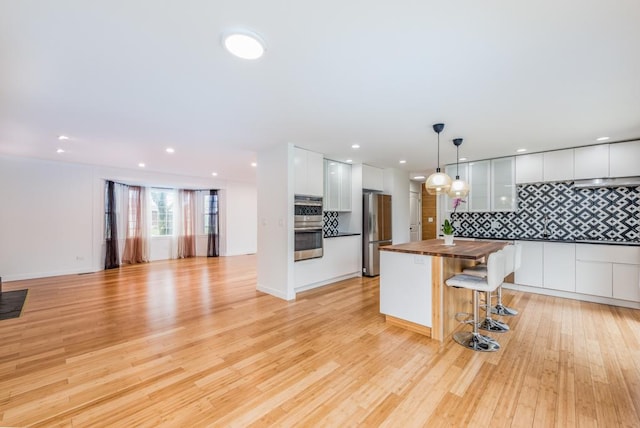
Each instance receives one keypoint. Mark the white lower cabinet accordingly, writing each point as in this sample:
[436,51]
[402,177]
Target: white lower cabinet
[530,271]
[594,278]
[559,266]
[626,282]
[341,259]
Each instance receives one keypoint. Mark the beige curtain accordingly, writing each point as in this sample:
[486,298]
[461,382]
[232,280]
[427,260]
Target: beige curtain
[136,246]
[187,226]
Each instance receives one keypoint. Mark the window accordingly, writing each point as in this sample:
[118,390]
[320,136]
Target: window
[162,204]
[210,212]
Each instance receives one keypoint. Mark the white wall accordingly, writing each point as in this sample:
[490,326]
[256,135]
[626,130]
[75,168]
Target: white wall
[396,183]
[275,221]
[52,215]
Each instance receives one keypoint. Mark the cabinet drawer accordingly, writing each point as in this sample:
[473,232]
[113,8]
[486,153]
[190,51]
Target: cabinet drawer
[608,253]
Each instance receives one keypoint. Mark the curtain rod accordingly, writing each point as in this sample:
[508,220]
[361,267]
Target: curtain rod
[157,187]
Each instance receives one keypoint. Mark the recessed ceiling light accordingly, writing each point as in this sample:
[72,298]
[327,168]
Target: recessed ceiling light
[419,177]
[521,150]
[141,165]
[462,159]
[254,164]
[602,139]
[244,44]
[215,174]
[62,137]
[403,161]
[60,151]
[170,150]
[355,146]
[349,161]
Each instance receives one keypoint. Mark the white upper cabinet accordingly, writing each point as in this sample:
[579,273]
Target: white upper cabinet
[372,178]
[337,186]
[479,181]
[529,168]
[558,165]
[591,162]
[308,174]
[463,172]
[624,159]
[503,189]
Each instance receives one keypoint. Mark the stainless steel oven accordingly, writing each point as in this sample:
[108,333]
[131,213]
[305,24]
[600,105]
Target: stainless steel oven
[308,227]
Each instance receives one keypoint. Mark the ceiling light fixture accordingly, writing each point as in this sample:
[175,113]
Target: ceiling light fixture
[403,161]
[462,159]
[438,183]
[215,174]
[521,150]
[459,188]
[355,146]
[254,164]
[602,139]
[349,161]
[170,150]
[141,165]
[60,151]
[244,44]
[62,137]
[419,177]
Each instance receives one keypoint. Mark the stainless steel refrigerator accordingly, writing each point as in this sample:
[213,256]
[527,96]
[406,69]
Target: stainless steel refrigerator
[376,224]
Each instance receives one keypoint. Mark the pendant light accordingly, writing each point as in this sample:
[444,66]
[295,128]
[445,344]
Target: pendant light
[438,183]
[459,188]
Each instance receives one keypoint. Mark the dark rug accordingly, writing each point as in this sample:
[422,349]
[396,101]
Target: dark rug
[11,303]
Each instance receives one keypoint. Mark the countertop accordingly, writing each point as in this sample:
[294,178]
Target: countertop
[471,250]
[342,234]
[567,241]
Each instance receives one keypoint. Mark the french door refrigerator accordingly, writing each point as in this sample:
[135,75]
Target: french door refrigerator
[376,224]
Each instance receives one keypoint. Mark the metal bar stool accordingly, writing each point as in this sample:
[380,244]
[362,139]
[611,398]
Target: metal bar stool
[495,275]
[499,308]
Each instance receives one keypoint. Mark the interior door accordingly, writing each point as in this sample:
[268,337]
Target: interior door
[415,214]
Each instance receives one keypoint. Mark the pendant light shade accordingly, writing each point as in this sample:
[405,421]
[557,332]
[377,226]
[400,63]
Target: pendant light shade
[459,188]
[438,183]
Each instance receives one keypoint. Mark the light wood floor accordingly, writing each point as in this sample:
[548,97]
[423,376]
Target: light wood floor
[191,343]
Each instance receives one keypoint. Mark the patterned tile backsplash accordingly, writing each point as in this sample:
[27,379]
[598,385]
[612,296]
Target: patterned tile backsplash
[605,214]
[330,227]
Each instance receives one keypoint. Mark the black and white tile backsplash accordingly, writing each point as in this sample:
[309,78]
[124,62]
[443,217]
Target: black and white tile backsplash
[330,227]
[606,214]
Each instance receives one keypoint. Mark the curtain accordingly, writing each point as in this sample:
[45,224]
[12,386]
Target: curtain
[187,223]
[136,246]
[112,258]
[212,225]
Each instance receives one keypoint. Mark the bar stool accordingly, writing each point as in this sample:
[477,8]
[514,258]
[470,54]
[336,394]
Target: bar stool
[499,308]
[495,275]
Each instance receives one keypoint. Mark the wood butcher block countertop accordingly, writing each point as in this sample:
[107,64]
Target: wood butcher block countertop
[471,250]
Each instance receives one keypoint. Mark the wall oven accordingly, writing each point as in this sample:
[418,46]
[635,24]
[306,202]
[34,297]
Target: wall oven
[308,227]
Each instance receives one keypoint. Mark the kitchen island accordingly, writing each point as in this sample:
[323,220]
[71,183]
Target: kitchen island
[413,293]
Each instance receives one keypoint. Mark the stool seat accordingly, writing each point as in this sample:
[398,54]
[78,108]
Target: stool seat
[477,270]
[472,282]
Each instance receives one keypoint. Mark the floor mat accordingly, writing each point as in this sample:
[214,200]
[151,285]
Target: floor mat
[11,303]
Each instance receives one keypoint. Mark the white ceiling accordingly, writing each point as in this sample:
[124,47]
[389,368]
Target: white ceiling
[124,79]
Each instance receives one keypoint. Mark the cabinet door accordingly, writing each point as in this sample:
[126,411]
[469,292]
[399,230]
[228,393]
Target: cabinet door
[529,168]
[479,180]
[315,174]
[299,171]
[331,185]
[591,162]
[463,172]
[530,271]
[623,159]
[594,278]
[558,165]
[626,282]
[345,188]
[559,266]
[503,189]
[372,178]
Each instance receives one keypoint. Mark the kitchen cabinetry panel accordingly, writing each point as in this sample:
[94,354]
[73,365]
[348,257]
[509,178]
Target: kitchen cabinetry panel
[623,159]
[479,179]
[372,178]
[559,262]
[591,162]
[594,278]
[529,168]
[626,282]
[558,165]
[503,189]
[530,271]
[308,173]
[337,186]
